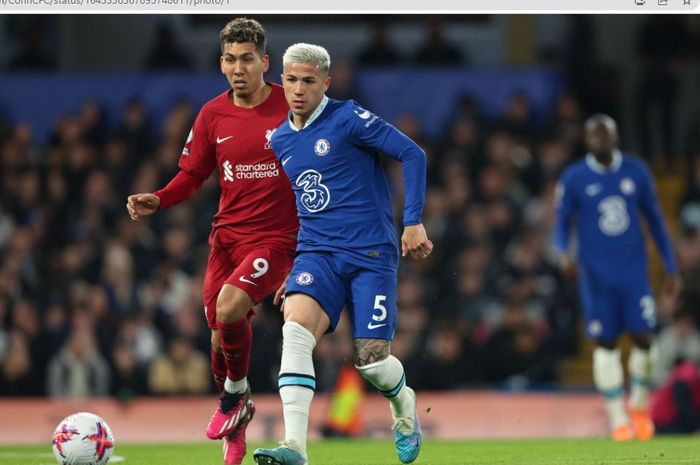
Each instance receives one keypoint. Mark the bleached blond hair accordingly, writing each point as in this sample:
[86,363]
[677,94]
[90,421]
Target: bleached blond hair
[308,53]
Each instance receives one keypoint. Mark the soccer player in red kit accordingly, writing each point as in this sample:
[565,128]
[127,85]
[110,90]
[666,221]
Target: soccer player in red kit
[254,232]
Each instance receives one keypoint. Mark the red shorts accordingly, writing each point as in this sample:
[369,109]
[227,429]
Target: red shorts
[256,269]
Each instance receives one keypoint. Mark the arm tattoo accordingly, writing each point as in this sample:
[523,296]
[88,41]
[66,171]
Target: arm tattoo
[370,350]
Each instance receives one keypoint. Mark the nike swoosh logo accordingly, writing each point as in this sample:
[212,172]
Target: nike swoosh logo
[364,115]
[222,139]
[243,279]
[371,325]
[593,189]
[284,162]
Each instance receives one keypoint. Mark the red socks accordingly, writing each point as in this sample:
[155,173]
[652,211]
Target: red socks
[236,343]
[218,369]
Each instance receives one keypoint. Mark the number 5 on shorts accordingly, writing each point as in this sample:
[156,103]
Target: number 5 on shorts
[378,300]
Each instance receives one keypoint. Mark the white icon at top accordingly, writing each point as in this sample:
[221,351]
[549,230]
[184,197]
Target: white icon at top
[364,115]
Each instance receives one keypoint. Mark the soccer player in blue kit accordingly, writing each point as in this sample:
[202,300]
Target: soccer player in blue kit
[347,252]
[605,195]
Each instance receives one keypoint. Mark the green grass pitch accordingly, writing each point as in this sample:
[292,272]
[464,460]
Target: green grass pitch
[661,450]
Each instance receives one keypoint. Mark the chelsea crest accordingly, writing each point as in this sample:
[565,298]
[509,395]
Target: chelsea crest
[322,147]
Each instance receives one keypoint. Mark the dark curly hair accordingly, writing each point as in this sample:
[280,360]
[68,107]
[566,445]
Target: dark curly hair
[242,30]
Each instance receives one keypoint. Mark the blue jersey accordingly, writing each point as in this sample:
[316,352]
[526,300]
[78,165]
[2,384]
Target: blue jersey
[607,205]
[342,194]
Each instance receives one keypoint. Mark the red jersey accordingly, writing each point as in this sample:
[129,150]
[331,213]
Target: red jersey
[257,203]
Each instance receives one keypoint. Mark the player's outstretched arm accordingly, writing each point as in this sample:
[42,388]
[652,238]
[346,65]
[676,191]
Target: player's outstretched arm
[180,188]
[139,205]
[415,242]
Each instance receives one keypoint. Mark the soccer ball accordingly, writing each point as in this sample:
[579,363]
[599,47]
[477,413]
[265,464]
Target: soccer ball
[82,439]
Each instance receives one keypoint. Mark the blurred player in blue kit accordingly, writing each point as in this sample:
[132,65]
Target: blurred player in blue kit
[604,196]
[347,253]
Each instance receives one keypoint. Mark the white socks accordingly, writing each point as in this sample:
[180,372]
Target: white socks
[387,376]
[236,387]
[609,380]
[297,383]
[640,365]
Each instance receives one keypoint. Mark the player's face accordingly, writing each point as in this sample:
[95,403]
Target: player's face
[600,138]
[244,68]
[304,86]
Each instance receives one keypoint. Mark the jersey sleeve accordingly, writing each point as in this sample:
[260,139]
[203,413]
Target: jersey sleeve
[198,157]
[369,131]
[180,188]
[565,205]
[657,226]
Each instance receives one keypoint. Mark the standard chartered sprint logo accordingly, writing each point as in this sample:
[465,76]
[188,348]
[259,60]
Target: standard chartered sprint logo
[256,171]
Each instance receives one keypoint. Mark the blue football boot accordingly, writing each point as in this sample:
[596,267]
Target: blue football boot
[281,455]
[407,434]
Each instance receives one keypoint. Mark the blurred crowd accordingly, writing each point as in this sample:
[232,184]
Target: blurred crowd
[92,303]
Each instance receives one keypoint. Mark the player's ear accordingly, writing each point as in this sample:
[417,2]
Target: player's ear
[265,63]
[326,83]
[221,64]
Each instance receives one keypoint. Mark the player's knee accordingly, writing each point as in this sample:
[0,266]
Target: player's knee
[306,320]
[368,351]
[232,305]
[305,311]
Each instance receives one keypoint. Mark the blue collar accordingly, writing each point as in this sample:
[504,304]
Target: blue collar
[317,112]
[600,168]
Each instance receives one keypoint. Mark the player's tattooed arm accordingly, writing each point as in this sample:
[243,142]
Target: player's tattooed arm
[370,350]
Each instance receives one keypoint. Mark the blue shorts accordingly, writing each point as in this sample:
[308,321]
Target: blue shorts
[336,280]
[613,308]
